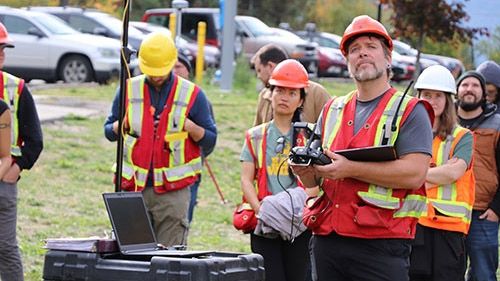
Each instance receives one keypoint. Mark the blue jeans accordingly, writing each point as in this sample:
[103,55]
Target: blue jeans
[11,268]
[192,202]
[482,249]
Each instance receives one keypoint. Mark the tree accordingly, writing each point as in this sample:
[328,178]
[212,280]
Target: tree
[491,48]
[437,20]
[335,15]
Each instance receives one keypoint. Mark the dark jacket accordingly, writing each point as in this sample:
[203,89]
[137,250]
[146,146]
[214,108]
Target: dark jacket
[486,129]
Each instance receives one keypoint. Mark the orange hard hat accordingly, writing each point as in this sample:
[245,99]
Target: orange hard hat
[4,37]
[289,74]
[363,25]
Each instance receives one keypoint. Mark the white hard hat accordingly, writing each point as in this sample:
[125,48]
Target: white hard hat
[438,78]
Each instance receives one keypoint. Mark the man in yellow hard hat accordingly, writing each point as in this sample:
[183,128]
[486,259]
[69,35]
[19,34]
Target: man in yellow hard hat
[365,219]
[167,124]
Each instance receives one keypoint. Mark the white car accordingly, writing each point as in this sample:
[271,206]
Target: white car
[47,48]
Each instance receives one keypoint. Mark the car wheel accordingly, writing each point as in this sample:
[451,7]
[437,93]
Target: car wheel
[75,69]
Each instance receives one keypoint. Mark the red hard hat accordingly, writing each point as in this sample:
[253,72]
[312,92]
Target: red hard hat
[4,37]
[364,25]
[289,74]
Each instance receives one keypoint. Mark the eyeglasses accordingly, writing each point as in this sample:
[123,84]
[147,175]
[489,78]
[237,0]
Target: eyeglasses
[280,145]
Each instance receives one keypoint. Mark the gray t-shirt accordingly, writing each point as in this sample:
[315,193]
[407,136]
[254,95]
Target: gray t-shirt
[415,135]
[276,159]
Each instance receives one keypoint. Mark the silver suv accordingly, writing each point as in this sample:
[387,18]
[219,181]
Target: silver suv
[252,34]
[47,48]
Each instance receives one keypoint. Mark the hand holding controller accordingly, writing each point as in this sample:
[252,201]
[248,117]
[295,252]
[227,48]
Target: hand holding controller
[310,154]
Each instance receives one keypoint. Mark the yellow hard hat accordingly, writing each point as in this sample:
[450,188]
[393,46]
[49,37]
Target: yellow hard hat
[157,54]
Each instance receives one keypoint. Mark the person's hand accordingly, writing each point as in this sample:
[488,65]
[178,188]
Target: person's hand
[189,125]
[301,171]
[429,185]
[452,160]
[125,125]
[12,174]
[306,174]
[338,169]
[489,215]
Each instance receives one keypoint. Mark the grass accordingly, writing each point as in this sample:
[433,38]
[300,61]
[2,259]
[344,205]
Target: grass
[61,195]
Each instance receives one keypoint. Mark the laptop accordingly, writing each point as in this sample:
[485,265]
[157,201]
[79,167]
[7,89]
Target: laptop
[132,227]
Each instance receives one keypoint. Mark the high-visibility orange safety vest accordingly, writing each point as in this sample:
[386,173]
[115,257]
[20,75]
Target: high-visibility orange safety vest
[10,91]
[355,208]
[256,143]
[174,157]
[450,205]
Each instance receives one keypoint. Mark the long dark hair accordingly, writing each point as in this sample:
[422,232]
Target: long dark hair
[448,118]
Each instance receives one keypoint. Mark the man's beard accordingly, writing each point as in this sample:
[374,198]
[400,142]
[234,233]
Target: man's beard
[470,106]
[367,74]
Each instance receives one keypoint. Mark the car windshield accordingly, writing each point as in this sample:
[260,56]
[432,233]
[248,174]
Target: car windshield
[114,24]
[257,27]
[404,48]
[53,24]
[286,33]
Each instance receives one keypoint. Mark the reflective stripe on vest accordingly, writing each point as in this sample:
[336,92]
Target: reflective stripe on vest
[176,119]
[256,141]
[335,112]
[379,195]
[179,172]
[11,97]
[135,108]
[446,199]
[413,205]
[177,169]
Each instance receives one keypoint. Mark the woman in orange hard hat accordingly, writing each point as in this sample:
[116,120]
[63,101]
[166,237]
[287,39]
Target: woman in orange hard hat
[438,252]
[268,185]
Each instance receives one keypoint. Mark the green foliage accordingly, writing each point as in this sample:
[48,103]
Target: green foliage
[491,48]
[244,77]
[457,49]
[435,19]
[335,15]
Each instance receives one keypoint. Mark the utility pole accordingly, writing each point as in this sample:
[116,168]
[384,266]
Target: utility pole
[178,5]
[379,9]
[228,34]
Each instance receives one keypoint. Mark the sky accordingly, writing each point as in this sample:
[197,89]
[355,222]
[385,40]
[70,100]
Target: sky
[483,13]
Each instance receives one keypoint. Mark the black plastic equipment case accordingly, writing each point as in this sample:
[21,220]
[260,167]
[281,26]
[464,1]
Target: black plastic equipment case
[217,266]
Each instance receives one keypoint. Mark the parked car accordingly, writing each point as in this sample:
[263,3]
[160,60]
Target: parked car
[93,22]
[254,34]
[331,60]
[190,19]
[186,45]
[402,66]
[454,65]
[47,48]
[324,39]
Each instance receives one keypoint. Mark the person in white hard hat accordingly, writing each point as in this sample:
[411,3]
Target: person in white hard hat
[438,252]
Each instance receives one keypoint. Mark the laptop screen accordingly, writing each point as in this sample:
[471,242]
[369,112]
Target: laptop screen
[130,220]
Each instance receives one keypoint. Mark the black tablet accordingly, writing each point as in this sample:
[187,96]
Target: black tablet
[370,154]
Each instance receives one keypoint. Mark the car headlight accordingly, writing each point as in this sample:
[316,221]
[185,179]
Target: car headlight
[337,57]
[109,53]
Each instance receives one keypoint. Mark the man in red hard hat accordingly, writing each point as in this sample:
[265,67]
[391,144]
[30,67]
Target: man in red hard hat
[26,146]
[365,219]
